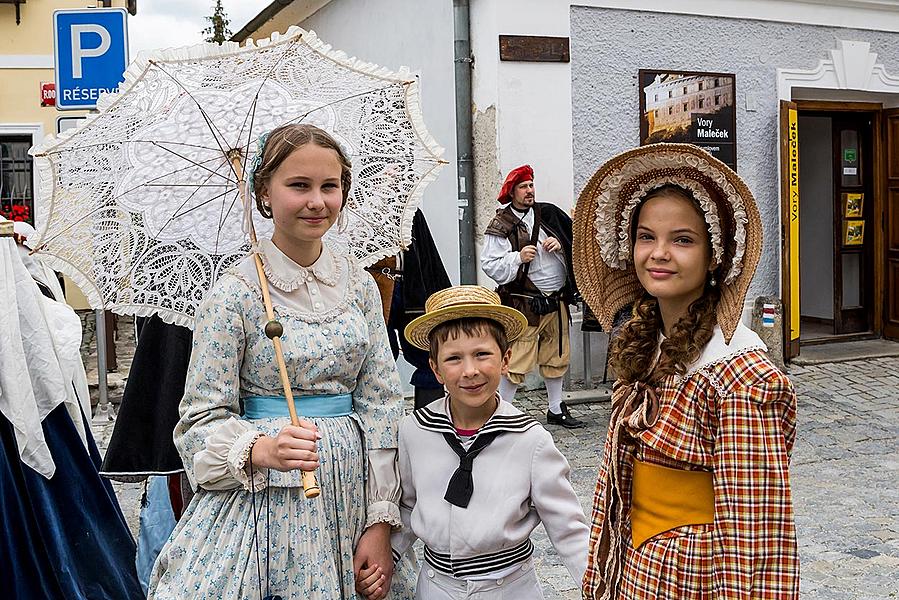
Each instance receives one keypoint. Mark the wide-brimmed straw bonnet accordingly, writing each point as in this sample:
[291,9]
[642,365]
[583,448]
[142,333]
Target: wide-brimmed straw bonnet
[602,248]
[461,302]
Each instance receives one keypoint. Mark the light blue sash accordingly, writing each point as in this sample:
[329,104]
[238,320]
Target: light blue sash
[268,407]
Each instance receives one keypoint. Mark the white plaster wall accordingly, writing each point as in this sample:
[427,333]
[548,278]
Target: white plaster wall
[419,35]
[531,100]
[816,217]
[609,46]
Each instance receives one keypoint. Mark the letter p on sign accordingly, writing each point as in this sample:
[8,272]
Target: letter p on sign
[79,52]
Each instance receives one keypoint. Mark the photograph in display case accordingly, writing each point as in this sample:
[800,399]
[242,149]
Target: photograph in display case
[853,205]
[690,107]
[853,232]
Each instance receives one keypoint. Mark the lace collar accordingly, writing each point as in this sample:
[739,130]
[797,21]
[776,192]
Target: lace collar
[717,350]
[507,418]
[286,275]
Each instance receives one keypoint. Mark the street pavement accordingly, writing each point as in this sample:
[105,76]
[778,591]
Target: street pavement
[844,472]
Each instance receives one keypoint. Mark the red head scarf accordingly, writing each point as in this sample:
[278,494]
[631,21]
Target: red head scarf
[515,176]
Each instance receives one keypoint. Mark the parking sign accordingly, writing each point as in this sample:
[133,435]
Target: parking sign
[91,53]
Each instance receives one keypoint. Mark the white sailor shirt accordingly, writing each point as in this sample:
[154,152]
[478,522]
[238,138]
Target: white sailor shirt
[520,479]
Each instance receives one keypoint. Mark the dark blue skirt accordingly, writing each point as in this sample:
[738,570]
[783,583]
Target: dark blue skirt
[64,538]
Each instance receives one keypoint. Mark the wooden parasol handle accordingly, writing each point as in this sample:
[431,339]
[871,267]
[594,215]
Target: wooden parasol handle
[273,331]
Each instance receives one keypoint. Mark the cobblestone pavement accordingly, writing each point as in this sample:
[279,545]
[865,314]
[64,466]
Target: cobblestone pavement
[845,470]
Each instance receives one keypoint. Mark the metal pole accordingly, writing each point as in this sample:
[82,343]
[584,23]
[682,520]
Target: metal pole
[103,409]
[463,64]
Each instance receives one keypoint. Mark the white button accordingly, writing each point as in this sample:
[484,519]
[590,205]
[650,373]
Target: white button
[326,331]
[431,573]
[317,305]
[309,277]
[313,291]
[331,364]
[499,581]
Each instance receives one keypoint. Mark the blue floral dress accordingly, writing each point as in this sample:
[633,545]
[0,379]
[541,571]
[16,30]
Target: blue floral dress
[248,534]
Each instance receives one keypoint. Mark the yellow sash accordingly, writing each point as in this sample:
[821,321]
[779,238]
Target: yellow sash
[663,499]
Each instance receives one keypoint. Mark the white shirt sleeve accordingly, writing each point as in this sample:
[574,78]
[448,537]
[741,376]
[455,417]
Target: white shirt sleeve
[498,260]
[383,488]
[558,507]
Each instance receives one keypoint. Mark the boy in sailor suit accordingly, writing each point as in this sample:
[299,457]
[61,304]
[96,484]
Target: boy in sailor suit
[477,474]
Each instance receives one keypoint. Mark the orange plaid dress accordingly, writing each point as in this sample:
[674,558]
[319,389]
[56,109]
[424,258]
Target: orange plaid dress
[735,417]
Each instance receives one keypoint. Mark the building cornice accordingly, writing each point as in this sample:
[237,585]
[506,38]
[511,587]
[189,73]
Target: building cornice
[26,61]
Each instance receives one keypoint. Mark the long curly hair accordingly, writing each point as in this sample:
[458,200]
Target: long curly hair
[633,350]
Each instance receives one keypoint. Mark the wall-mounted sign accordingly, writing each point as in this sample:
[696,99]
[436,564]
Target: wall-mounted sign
[690,107]
[534,48]
[48,93]
[91,53]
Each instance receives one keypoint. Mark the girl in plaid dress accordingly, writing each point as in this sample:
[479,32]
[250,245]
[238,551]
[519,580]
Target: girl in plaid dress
[693,498]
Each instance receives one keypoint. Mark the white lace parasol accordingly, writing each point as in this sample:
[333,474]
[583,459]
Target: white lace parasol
[144,208]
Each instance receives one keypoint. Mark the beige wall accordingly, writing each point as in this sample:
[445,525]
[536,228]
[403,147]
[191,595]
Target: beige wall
[26,60]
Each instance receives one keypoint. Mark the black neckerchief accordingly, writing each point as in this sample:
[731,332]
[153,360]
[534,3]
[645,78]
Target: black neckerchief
[461,484]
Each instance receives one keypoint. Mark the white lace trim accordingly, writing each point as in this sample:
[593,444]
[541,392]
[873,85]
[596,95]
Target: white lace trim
[709,211]
[346,298]
[383,511]
[286,275]
[239,458]
[613,228]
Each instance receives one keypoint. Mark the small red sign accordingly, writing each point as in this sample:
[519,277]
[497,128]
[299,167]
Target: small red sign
[48,93]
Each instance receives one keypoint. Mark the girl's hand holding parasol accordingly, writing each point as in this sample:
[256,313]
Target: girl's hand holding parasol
[295,447]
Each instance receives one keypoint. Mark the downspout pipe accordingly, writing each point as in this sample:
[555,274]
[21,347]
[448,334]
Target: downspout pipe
[463,63]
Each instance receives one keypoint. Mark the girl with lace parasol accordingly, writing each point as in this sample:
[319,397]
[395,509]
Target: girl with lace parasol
[693,499]
[249,532]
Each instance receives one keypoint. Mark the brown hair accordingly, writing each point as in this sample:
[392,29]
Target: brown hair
[633,350]
[470,326]
[281,142]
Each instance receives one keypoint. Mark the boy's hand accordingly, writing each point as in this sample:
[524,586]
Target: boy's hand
[373,552]
[370,581]
[293,448]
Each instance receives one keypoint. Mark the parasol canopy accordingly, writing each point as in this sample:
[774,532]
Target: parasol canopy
[143,200]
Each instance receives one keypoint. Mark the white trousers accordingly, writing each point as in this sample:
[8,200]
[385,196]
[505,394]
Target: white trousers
[521,584]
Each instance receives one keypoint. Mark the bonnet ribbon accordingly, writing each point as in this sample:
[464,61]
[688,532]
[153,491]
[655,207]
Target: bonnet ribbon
[635,407]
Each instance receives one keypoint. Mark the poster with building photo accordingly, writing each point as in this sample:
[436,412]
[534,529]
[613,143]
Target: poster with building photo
[690,107]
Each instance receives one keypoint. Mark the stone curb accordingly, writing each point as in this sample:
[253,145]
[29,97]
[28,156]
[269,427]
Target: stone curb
[807,362]
[114,381]
[588,396]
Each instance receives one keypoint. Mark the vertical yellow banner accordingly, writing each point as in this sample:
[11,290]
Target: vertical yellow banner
[794,224]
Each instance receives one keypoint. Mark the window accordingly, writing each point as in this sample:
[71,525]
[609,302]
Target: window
[670,110]
[655,113]
[716,82]
[700,86]
[685,90]
[685,107]
[701,102]
[16,176]
[717,99]
[669,93]
[656,98]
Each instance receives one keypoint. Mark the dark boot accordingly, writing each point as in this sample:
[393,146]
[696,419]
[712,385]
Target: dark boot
[563,418]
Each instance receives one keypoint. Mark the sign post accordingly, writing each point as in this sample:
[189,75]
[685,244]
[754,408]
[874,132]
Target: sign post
[91,54]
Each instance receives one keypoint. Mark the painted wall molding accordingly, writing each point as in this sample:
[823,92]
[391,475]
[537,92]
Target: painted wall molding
[851,66]
[26,61]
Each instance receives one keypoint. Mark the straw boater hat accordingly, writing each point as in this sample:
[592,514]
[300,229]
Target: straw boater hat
[461,302]
[603,265]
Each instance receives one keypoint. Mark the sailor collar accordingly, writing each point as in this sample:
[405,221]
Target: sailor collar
[287,275]
[435,417]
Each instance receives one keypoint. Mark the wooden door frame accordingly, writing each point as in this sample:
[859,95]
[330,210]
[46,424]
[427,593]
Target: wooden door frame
[875,109]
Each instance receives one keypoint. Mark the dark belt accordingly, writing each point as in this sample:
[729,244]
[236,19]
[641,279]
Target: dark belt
[481,564]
